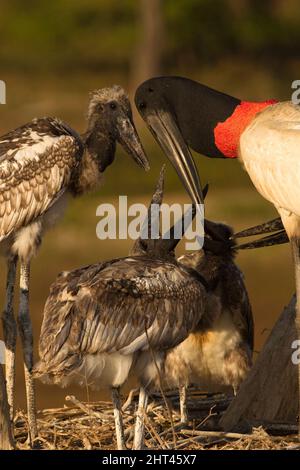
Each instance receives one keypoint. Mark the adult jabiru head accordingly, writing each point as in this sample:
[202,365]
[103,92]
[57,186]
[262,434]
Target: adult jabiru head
[183,114]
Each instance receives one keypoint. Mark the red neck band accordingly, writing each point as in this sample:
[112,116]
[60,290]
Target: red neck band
[227,133]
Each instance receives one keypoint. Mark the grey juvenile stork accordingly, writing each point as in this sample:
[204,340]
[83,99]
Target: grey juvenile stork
[115,318]
[41,163]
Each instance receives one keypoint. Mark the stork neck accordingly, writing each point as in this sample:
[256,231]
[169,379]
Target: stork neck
[213,267]
[227,133]
[98,154]
[101,146]
[89,176]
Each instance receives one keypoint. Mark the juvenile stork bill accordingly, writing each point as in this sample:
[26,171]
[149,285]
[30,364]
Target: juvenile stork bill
[41,163]
[115,318]
[265,136]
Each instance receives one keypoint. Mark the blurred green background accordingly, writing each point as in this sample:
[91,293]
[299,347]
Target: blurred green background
[53,53]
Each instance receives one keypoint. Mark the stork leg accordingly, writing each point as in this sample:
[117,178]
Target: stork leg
[10,332]
[25,329]
[115,394]
[183,407]
[138,442]
[296,257]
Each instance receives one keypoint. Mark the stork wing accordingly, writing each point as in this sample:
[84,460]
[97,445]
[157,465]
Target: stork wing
[37,162]
[123,306]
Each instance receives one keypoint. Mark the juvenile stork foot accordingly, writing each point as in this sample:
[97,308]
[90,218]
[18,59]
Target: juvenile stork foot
[25,329]
[138,442]
[183,407]
[118,419]
[10,333]
[296,257]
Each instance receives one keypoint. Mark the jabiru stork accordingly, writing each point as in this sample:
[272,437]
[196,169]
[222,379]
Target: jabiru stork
[114,318]
[41,164]
[183,114]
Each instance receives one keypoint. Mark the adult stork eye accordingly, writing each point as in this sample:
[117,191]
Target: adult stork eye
[150,90]
[113,105]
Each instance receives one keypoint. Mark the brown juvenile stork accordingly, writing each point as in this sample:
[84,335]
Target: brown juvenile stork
[109,320]
[218,354]
[41,163]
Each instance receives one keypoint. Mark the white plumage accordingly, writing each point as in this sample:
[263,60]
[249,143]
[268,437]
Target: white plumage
[270,150]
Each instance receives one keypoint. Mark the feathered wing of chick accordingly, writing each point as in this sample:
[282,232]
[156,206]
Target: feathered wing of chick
[37,164]
[119,306]
[235,298]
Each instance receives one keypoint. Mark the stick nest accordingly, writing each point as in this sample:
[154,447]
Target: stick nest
[87,426]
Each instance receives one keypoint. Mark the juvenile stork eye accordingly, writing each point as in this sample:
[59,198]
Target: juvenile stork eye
[113,105]
[142,105]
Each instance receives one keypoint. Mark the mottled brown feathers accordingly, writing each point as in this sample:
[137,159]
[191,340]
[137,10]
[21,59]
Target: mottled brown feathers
[39,161]
[106,308]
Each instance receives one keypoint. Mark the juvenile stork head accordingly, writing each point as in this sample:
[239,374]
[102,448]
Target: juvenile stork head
[220,245]
[110,120]
[217,252]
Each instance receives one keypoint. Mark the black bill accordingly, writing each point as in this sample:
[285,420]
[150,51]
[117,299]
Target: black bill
[266,227]
[130,141]
[166,132]
[277,238]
